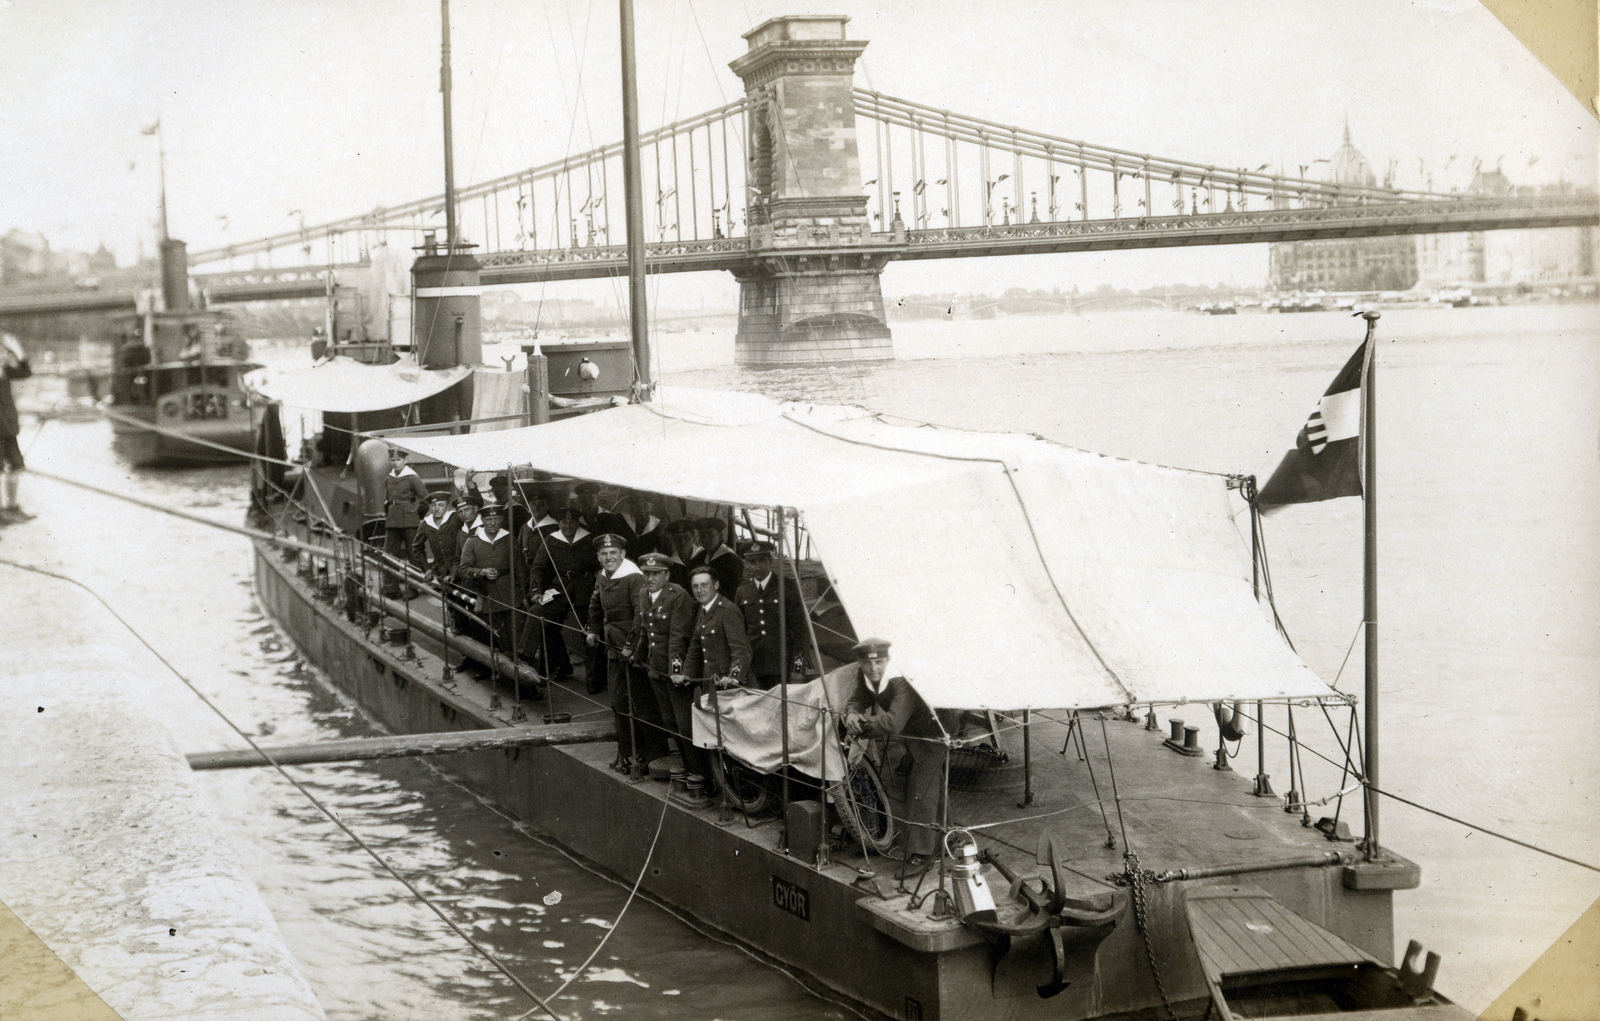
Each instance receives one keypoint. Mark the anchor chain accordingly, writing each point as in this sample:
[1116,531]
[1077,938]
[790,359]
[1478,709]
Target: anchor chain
[1136,879]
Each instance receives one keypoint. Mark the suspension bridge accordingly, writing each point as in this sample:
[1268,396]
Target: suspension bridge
[806,187]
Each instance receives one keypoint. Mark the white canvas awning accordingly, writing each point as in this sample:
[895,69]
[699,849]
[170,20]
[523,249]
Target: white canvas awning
[1008,572]
[345,385]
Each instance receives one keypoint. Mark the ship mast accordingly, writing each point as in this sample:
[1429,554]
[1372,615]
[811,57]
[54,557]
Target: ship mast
[161,152]
[633,190]
[449,149]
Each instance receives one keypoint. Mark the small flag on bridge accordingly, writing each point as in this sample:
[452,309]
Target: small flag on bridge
[1326,461]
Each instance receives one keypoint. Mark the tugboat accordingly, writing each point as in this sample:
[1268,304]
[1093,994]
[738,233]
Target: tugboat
[1125,877]
[176,394]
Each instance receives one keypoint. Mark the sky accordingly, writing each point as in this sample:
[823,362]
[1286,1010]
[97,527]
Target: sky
[274,106]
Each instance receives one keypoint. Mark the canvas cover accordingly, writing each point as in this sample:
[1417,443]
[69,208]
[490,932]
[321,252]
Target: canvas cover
[752,722]
[1008,571]
[346,385]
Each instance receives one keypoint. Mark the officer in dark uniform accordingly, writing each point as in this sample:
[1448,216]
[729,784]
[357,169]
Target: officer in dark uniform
[718,648]
[663,620]
[640,734]
[882,707]
[757,600]
[717,651]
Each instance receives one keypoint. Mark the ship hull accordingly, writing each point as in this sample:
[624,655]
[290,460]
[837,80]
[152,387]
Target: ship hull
[736,879]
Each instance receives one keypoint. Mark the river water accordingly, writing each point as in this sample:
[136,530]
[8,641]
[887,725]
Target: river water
[1490,591]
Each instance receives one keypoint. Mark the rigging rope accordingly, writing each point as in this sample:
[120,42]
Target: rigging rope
[324,809]
[660,825]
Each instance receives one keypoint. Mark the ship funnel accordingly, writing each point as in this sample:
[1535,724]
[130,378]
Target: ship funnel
[175,275]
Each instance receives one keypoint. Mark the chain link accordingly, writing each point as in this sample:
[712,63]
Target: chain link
[1136,878]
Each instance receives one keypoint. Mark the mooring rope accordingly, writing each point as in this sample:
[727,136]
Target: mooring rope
[324,809]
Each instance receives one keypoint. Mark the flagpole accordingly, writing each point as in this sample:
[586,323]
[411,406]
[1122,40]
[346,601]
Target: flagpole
[1369,579]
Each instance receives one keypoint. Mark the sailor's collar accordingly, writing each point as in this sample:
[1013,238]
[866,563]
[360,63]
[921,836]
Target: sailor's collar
[626,569]
[404,471]
[580,534]
[439,523]
[546,520]
[649,525]
[497,536]
[724,548]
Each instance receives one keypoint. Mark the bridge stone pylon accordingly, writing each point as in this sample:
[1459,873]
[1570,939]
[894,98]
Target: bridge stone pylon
[805,298]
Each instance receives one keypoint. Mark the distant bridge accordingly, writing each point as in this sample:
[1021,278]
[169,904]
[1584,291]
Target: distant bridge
[793,189]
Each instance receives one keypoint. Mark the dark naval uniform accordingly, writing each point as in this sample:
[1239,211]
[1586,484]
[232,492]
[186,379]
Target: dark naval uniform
[568,567]
[895,710]
[663,622]
[758,604]
[404,493]
[443,539]
[644,535]
[728,568]
[633,701]
[717,645]
[497,598]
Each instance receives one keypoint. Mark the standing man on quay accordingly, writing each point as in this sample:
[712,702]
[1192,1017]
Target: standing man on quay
[13,365]
[757,600]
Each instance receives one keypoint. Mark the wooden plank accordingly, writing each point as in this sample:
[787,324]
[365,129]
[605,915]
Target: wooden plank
[1280,939]
[400,746]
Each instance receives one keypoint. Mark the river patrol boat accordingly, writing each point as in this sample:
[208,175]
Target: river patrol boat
[1075,614]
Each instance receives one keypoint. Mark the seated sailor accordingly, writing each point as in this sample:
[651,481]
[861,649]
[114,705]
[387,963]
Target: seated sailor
[882,707]
[757,600]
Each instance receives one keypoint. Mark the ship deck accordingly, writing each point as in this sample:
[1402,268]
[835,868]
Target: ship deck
[860,923]
[1113,786]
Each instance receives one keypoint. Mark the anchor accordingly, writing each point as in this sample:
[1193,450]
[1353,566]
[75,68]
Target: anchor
[1053,921]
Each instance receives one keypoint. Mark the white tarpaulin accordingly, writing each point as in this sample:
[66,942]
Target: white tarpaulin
[752,727]
[1008,571]
[346,385]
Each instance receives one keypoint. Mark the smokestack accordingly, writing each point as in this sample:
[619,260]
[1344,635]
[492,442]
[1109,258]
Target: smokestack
[175,275]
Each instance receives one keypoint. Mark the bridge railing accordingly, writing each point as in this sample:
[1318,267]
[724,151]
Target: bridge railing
[694,168]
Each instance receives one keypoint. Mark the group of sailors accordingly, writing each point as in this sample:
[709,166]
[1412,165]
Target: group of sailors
[651,609]
[656,611]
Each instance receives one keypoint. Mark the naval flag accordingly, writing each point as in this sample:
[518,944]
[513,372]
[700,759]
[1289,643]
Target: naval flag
[1326,461]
